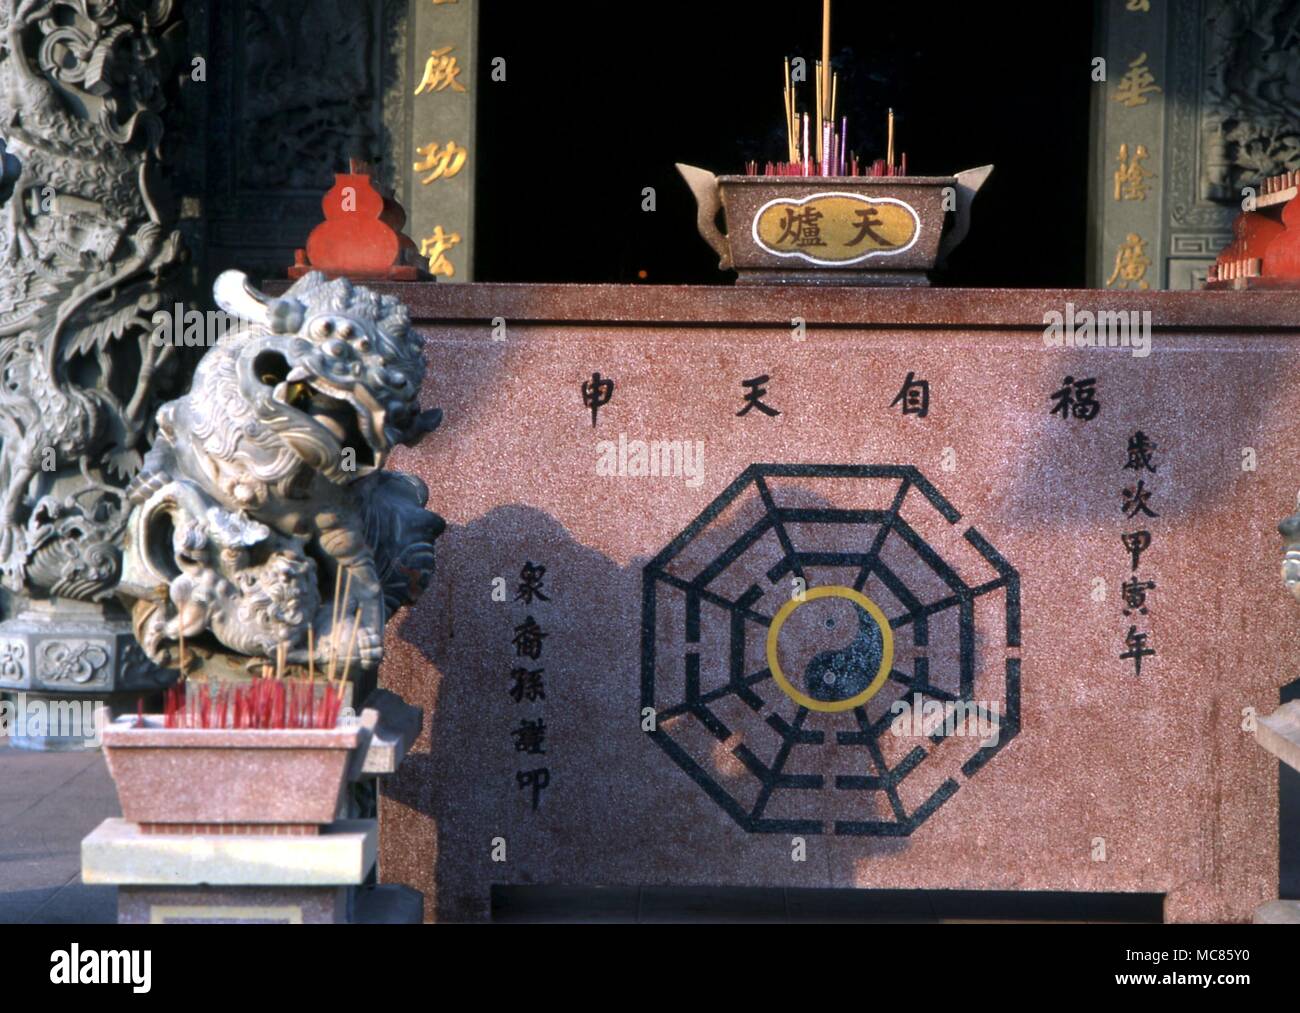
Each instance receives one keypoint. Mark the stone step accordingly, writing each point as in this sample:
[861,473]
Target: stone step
[1279,733]
[1278,912]
[117,853]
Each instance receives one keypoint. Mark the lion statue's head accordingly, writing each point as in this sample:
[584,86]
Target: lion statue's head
[334,371]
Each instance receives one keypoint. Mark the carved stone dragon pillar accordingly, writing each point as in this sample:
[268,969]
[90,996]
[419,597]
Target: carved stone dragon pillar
[88,255]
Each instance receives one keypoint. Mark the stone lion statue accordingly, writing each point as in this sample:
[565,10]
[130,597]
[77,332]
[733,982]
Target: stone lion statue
[264,492]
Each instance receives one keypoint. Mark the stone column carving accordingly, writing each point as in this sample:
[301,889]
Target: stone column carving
[89,254]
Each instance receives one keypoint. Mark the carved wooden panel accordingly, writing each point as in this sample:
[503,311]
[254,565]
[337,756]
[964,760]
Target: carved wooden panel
[293,92]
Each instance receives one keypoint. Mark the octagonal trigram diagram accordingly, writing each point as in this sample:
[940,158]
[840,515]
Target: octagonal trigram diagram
[831,649]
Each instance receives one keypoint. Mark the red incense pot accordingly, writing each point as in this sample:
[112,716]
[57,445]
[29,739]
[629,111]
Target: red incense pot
[219,779]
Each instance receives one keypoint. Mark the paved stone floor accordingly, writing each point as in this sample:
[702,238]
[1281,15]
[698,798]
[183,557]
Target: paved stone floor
[50,801]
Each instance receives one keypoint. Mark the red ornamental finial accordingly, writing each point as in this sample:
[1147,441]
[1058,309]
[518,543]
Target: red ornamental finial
[361,236]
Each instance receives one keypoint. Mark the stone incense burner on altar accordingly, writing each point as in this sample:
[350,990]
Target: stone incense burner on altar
[836,230]
[262,520]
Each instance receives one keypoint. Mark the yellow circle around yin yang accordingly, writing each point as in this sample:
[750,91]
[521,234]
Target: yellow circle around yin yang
[886,648]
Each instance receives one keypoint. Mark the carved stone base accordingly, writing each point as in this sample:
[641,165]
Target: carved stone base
[72,651]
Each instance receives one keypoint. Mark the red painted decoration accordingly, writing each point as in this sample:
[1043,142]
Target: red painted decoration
[361,236]
[1265,248]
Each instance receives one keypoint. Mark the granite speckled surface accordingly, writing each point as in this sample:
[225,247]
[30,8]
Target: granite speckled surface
[1112,782]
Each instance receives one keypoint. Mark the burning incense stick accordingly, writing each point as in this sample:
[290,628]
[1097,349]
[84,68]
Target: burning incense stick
[311,654]
[789,115]
[817,122]
[889,146]
[825,97]
[334,612]
[341,606]
[347,661]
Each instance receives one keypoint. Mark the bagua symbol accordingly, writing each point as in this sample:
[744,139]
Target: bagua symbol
[779,629]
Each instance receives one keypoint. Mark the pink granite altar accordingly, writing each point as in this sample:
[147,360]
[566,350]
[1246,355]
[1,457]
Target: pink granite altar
[725,569]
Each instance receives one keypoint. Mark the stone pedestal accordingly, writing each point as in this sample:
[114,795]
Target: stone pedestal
[206,905]
[1278,912]
[239,878]
[59,663]
[290,872]
[1279,734]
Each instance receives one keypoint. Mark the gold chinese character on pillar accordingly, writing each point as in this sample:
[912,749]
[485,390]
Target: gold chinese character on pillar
[1131,176]
[441,71]
[1133,5]
[435,249]
[440,162]
[1137,84]
[1131,263]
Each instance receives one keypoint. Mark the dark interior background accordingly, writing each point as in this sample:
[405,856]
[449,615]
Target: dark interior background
[601,99]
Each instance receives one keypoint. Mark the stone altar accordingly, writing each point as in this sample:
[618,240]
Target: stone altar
[1073,544]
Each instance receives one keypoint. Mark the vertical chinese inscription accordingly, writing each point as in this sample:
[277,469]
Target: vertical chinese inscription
[1137,77]
[1136,505]
[527,687]
[439,187]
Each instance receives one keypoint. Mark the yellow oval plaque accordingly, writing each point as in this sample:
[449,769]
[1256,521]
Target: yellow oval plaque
[836,229]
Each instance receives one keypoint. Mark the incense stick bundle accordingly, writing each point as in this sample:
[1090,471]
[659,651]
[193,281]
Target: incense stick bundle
[816,144]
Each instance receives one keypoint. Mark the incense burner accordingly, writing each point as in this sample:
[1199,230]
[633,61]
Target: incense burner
[187,778]
[834,230]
